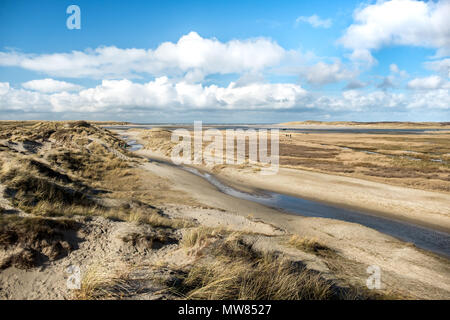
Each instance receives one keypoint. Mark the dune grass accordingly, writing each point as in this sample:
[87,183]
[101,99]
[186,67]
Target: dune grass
[198,236]
[234,270]
[307,244]
[36,239]
[157,220]
[101,282]
[266,278]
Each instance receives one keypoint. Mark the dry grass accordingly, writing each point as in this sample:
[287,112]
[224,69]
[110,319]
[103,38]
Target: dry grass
[27,190]
[27,230]
[157,220]
[151,240]
[38,239]
[307,244]
[101,282]
[55,209]
[266,278]
[234,270]
[198,236]
[57,176]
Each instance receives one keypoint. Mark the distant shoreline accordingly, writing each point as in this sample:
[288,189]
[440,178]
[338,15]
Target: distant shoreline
[381,124]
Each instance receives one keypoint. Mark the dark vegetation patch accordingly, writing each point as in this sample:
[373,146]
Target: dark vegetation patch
[310,245]
[36,239]
[152,240]
[319,164]
[45,170]
[26,191]
[292,150]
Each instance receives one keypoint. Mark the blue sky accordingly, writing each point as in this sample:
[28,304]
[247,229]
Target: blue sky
[226,61]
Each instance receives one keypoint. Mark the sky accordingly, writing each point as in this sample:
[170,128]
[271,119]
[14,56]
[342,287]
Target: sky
[225,61]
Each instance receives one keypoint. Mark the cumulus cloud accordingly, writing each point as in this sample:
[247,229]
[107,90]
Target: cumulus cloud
[396,70]
[428,83]
[441,66]
[4,87]
[192,55]
[115,97]
[391,81]
[354,100]
[387,83]
[398,22]
[436,99]
[323,73]
[22,100]
[315,21]
[118,95]
[355,84]
[50,85]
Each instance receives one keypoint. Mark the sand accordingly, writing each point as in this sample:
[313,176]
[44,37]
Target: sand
[425,208]
[404,267]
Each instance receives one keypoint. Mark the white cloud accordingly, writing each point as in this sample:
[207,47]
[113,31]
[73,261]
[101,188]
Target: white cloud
[191,55]
[315,21]
[364,56]
[4,88]
[354,100]
[50,85]
[399,22]
[323,73]
[391,80]
[429,83]
[394,68]
[118,95]
[115,97]
[356,84]
[21,100]
[441,66]
[388,82]
[436,99]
